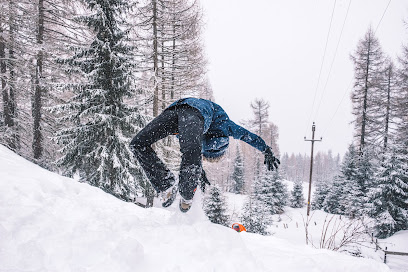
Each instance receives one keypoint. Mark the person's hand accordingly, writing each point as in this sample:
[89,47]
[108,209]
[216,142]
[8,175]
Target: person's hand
[270,160]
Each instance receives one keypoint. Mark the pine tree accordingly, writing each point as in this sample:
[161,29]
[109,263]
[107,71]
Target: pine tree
[36,31]
[215,206]
[333,202]
[268,197]
[388,197]
[97,144]
[402,101]
[238,174]
[297,199]
[169,39]
[271,136]
[8,127]
[254,217]
[261,113]
[387,101]
[260,125]
[401,134]
[320,194]
[270,190]
[363,179]
[339,194]
[368,66]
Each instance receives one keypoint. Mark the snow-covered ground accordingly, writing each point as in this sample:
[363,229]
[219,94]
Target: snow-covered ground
[53,223]
[290,227]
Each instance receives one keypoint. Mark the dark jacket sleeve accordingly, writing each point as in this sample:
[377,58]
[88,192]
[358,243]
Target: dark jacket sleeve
[250,138]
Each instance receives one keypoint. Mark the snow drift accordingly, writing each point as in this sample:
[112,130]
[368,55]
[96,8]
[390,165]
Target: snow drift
[52,223]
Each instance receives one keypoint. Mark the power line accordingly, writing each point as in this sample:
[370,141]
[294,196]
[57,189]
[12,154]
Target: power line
[334,57]
[382,17]
[349,85]
[338,106]
[321,65]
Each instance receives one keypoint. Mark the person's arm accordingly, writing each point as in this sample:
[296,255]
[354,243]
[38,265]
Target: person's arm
[254,140]
[250,138]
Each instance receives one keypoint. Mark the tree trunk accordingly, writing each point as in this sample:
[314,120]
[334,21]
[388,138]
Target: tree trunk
[387,113]
[6,112]
[14,143]
[155,61]
[37,100]
[163,88]
[363,121]
[173,56]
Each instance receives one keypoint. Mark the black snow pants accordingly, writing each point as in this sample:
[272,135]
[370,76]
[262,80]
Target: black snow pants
[189,124]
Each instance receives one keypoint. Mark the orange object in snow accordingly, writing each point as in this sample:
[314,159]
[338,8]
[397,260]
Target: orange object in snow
[238,227]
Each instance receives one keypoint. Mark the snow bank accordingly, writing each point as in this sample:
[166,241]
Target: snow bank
[290,228]
[53,223]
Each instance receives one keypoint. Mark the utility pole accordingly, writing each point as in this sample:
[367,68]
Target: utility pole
[311,166]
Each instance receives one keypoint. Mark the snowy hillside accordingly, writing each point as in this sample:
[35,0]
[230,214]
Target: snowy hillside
[52,223]
[290,227]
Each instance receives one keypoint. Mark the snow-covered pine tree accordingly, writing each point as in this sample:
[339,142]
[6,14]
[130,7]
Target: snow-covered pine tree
[333,202]
[96,145]
[402,101]
[388,197]
[363,179]
[297,199]
[401,135]
[215,206]
[270,190]
[339,191]
[238,174]
[320,194]
[268,197]
[254,217]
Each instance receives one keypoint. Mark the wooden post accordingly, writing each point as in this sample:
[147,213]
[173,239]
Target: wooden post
[386,252]
[311,167]
[385,255]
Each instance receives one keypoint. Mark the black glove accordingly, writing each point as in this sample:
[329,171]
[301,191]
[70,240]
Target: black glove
[204,181]
[270,160]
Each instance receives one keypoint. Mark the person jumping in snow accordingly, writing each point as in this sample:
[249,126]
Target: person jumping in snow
[203,128]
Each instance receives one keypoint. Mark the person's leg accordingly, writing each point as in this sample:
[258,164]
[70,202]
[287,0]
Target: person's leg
[190,126]
[157,172]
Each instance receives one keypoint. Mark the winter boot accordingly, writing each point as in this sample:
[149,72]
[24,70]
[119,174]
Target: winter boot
[185,205]
[168,196]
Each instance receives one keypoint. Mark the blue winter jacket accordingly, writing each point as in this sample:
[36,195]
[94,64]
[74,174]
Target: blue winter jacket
[218,127]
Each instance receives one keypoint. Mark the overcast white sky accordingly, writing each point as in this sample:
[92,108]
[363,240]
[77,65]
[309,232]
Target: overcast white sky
[273,49]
